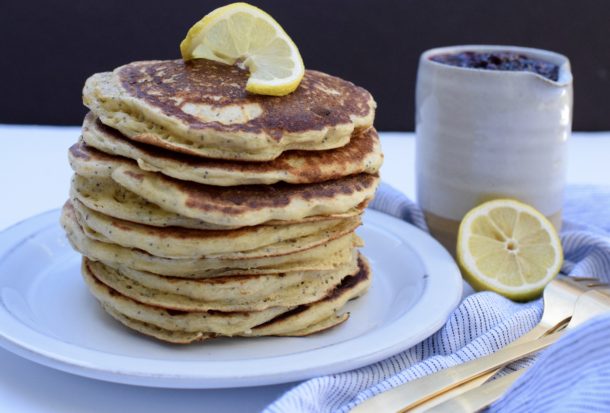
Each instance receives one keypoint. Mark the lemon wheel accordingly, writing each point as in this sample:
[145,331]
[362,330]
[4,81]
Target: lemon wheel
[244,35]
[508,247]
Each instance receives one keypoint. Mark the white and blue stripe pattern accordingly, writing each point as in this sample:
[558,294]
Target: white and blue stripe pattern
[571,376]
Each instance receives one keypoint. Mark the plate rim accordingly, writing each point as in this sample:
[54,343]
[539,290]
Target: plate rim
[437,259]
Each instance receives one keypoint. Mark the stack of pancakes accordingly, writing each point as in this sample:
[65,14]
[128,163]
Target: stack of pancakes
[202,210]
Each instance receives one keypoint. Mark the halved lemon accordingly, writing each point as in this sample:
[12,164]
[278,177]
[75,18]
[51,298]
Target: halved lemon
[508,247]
[242,34]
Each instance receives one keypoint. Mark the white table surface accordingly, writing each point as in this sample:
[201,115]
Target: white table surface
[34,177]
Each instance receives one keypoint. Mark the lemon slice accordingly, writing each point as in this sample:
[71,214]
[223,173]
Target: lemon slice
[247,36]
[508,247]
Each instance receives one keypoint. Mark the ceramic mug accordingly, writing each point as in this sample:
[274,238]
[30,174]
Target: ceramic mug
[485,134]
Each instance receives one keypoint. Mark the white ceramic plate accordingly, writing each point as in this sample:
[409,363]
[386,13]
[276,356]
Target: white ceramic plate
[48,316]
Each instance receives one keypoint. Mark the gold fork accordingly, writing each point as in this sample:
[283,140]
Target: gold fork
[590,304]
[560,296]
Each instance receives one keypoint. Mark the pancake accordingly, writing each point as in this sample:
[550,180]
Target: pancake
[236,206]
[187,327]
[323,325]
[361,154]
[251,204]
[106,196]
[180,337]
[174,242]
[168,336]
[234,293]
[324,312]
[215,322]
[247,286]
[325,256]
[202,108]
[91,163]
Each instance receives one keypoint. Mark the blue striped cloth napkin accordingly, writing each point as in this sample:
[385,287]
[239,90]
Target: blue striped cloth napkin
[571,376]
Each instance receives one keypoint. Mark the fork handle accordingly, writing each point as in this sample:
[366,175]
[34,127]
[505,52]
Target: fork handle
[452,393]
[478,398]
[416,392]
[534,334]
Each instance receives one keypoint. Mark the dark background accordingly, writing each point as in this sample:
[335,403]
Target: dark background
[49,48]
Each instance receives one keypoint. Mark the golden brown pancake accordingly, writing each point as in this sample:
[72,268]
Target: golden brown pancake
[234,293]
[176,242]
[302,316]
[106,196]
[243,205]
[249,204]
[307,256]
[186,327]
[361,154]
[202,108]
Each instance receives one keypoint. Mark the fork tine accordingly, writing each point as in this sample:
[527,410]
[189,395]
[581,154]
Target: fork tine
[580,282]
[583,279]
[480,397]
[599,284]
[592,303]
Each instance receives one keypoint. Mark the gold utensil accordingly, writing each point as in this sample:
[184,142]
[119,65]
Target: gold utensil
[559,299]
[560,296]
[590,304]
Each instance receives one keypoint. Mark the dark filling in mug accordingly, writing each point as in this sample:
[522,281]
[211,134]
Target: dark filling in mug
[499,61]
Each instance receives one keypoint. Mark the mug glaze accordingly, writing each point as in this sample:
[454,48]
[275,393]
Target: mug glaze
[486,134]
